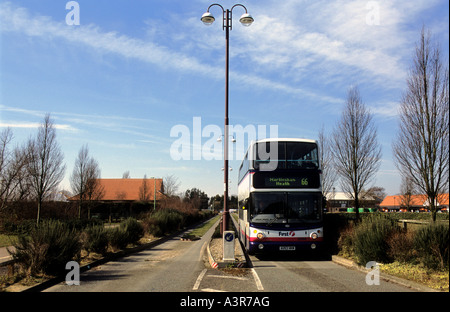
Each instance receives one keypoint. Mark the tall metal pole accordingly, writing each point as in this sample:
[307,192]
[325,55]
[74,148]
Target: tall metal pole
[154,194]
[225,166]
[246,20]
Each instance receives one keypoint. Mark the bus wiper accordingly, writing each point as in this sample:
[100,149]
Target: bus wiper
[273,220]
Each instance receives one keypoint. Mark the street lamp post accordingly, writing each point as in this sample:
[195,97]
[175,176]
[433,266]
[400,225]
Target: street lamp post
[227,24]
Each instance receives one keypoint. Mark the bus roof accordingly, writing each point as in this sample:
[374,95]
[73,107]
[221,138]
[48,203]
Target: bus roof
[252,143]
[284,140]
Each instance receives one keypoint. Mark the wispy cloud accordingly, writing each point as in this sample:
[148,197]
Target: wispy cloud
[20,20]
[67,121]
[332,41]
[386,110]
[30,125]
[324,37]
[306,45]
[328,43]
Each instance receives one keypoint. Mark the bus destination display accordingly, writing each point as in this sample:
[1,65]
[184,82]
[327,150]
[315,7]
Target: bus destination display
[292,181]
[286,182]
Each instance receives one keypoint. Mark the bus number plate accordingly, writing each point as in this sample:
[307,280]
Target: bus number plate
[287,247]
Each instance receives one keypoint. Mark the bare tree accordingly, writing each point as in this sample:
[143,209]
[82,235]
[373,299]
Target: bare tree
[375,194]
[78,179]
[45,163]
[144,194]
[12,163]
[421,149]
[407,190]
[326,160]
[94,189]
[356,150]
[84,179]
[171,185]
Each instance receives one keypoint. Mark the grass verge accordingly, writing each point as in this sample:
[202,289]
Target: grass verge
[7,240]
[200,231]
[438,280]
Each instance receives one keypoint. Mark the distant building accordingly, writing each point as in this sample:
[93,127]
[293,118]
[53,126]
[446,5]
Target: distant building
[414,202]
[129,190]
[341,201]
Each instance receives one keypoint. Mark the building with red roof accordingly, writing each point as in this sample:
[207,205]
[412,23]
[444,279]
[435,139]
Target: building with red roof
[414,202]
[129,190]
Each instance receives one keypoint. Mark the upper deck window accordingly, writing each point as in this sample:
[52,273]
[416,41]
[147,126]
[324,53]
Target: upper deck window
[286,155]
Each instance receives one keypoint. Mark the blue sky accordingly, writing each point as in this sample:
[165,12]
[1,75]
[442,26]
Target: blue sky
[132,71]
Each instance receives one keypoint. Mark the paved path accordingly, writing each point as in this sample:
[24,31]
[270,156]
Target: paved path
[173,266]
[4,254]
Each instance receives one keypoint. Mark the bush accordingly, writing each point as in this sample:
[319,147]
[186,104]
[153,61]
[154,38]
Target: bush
[81,224]
[371,239]
[118,238]
[432,245]
[95,239]
[134,230]
[47,248]
[151,226]
[164,221]
[334,226]
[17,228]
[401,246]
[345,242]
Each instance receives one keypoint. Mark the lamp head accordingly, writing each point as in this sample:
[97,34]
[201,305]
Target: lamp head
[207,18]
[246,19]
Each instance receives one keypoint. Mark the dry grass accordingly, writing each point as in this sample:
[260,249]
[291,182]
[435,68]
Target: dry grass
[438,280]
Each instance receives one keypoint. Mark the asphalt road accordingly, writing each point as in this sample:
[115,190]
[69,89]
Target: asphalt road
[172,266]
[182,266]
[306,274]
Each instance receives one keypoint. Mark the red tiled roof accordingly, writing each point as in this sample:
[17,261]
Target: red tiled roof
[128,189]
[416,200]
[443,199]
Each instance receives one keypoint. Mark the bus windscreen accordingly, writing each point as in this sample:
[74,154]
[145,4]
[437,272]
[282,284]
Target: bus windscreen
[285,208]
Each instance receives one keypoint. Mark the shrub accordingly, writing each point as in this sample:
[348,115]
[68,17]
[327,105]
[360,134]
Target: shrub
[47,248]
[401,246]
[17,228]
[152,227]
[134,230]
[432,245]
[334,225]
[164,221]
[345,242]
[81,224]
[118,238]
[371,239]
[95,239]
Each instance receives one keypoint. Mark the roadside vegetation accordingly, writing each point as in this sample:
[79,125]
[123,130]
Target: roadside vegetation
[420,254]
[43,251]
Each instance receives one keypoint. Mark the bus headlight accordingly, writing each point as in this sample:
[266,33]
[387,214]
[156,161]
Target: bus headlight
[260,235]
[314,235]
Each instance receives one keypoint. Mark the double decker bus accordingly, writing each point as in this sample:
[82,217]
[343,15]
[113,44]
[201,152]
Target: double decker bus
[280,196]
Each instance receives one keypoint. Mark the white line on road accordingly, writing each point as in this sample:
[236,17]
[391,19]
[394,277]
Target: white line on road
[259,285]
[212,290]
[232,277]
[199,279]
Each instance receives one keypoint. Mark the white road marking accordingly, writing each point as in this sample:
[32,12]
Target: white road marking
[199,279]
[212,290]
[259,285]
[233,277]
